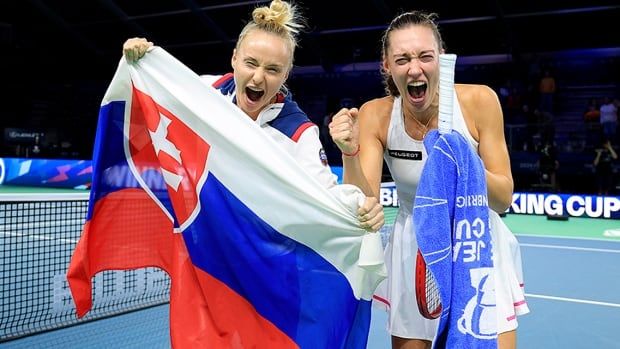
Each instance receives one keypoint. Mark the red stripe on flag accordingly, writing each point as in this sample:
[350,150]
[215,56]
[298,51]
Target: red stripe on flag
[193,151]
[129,231]
[230,320]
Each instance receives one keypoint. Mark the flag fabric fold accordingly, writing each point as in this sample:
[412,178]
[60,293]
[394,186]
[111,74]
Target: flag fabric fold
[451,220]
[260,255]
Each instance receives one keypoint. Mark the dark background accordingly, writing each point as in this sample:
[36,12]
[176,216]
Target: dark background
[57,57]
[52,36]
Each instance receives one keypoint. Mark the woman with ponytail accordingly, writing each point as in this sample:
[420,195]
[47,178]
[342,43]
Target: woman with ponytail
[392,129]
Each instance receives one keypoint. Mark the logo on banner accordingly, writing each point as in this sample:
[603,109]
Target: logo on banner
[161,142]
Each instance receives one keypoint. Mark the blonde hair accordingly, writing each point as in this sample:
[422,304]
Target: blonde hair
[280,18]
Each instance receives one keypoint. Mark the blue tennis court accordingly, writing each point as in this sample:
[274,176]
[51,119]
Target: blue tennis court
[571,280]
[572,287]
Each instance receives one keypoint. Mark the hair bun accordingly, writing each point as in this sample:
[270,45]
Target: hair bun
[279,16]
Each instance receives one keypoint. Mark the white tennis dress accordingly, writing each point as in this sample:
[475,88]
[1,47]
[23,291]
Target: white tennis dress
[405,158]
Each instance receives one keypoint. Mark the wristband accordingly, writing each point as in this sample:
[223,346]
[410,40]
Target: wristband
[353,153]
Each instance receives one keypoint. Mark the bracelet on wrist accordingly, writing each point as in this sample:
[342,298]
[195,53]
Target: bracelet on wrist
[353,153]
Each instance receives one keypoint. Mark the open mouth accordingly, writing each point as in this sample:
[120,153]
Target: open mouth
[417,89]
[254,94]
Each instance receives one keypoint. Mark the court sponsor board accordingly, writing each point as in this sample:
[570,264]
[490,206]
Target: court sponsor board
[388,196]
[574,205]
[51,173]
[592,206]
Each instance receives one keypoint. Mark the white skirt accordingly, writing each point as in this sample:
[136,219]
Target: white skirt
[396,294]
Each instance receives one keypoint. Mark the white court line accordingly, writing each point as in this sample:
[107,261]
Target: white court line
[571,248]
[39,237]
[567,237]
[31,197]
[573,300]
[41,225]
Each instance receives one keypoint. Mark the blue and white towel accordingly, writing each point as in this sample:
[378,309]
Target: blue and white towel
[451,219]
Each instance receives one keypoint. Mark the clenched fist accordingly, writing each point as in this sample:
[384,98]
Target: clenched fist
[344,130]
[135,48]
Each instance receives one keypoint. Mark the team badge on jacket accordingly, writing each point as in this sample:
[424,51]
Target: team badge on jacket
[323,157]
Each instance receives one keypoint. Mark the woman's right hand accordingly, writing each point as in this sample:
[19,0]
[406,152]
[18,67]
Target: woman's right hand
[135,48]
[370,214]
[344,130]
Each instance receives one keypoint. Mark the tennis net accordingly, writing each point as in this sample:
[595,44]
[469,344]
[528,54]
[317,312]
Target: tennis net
[38,234]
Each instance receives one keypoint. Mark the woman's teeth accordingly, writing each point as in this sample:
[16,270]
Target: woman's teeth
[416,89]
[254,95]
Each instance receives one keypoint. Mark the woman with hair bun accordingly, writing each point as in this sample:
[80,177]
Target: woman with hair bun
[261,63]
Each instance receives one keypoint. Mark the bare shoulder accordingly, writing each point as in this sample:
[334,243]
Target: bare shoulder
[377,108]
[475,95]
[480,106]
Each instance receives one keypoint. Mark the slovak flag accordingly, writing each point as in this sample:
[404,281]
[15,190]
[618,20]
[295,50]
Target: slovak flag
[259,254]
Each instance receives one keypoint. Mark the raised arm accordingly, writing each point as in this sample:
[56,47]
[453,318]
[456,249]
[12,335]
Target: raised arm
[135,48]
[359,135]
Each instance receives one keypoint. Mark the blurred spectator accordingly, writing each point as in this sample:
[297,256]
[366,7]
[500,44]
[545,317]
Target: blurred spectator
[36,148]
[547,88]
[32,150]
[511,100]
[591,117]
[609,118]
[592,113]
[605,156]
[548,164]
